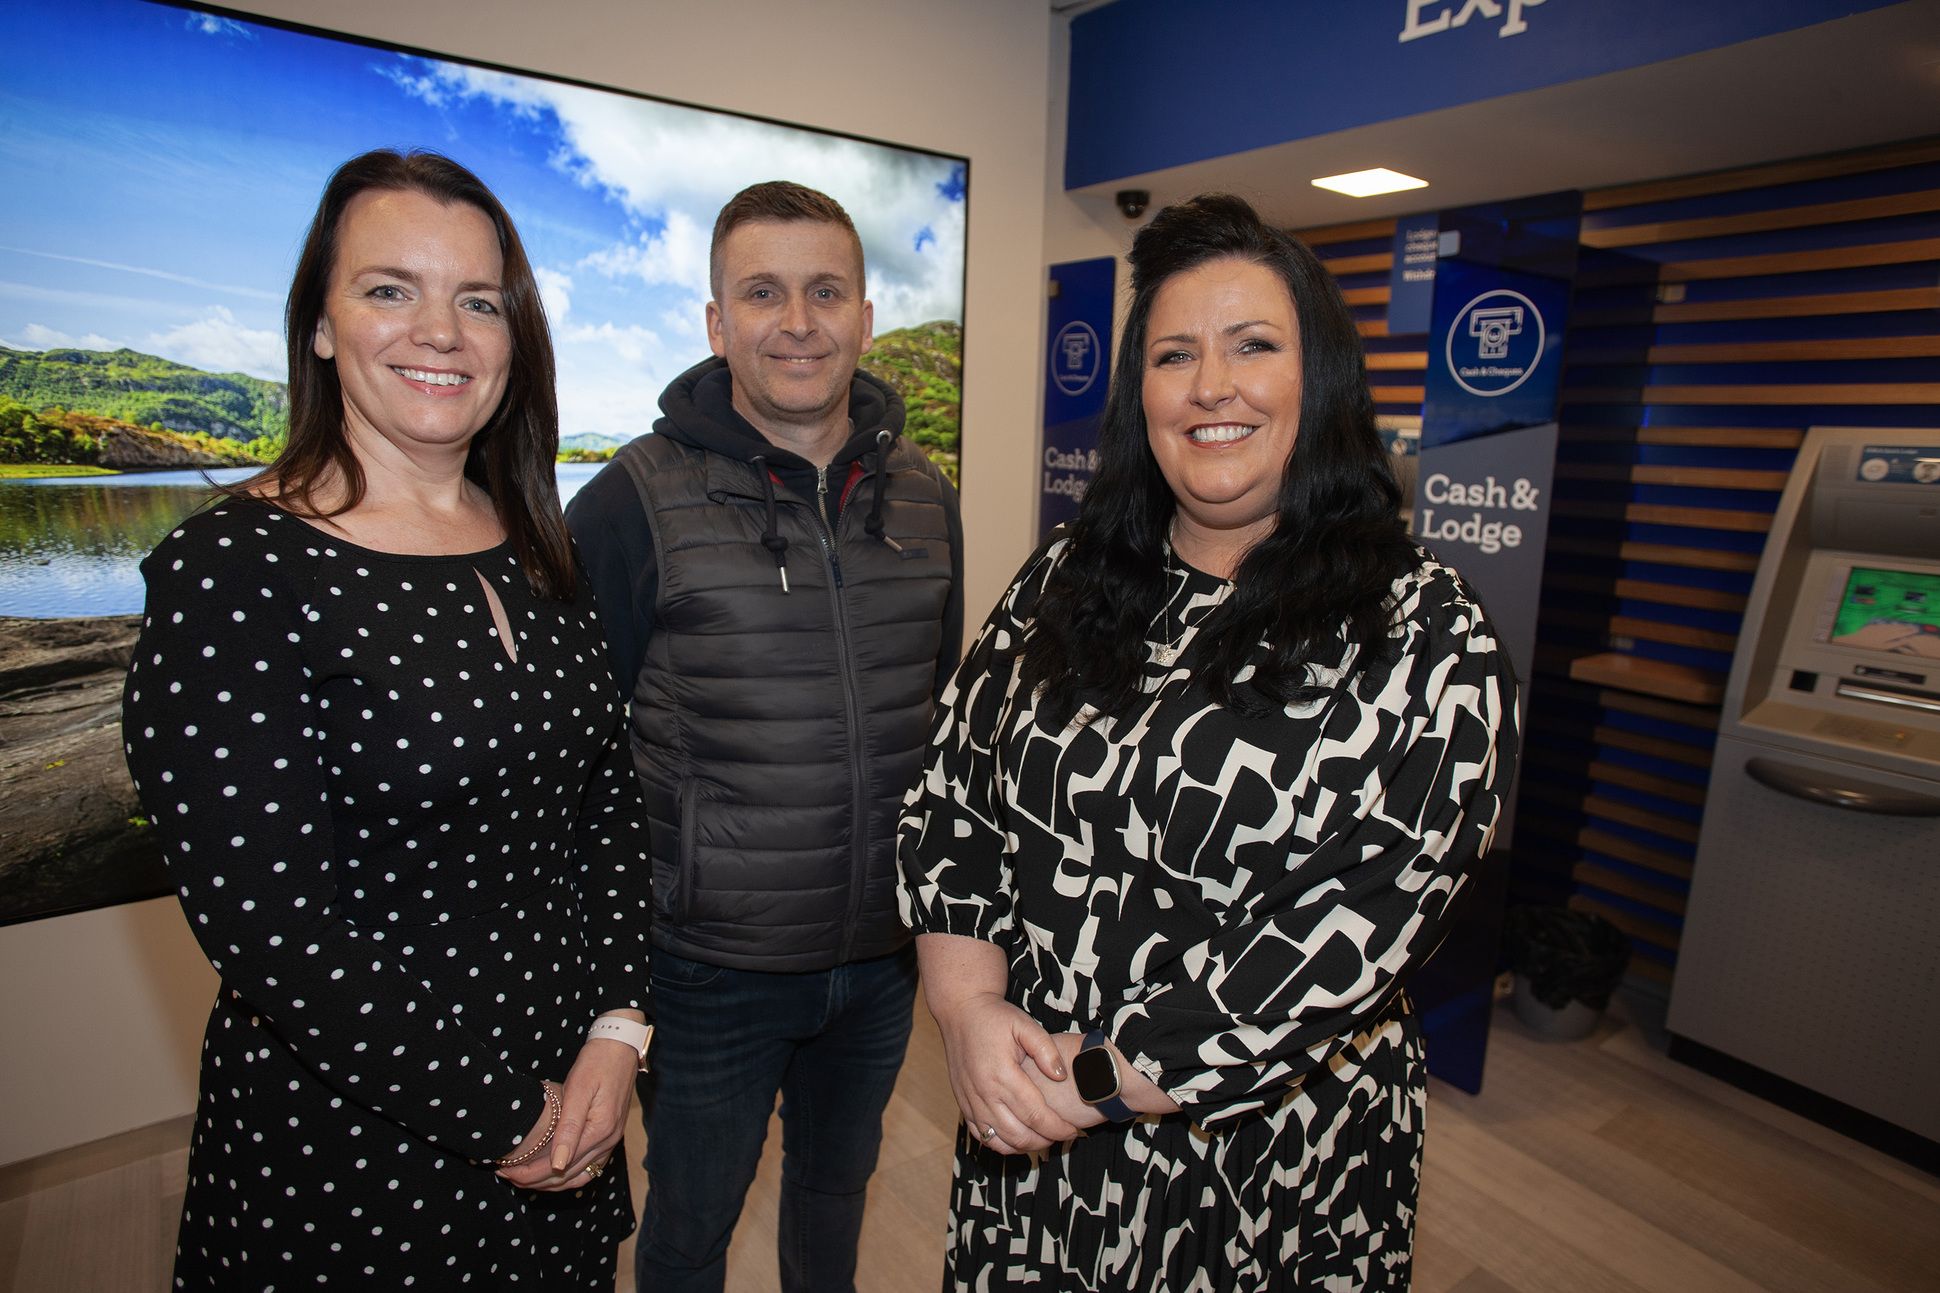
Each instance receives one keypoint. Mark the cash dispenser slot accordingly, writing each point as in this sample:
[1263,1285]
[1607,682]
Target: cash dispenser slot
[1905,697]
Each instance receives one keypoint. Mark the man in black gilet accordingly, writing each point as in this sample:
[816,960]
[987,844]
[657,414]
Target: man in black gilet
[780,577]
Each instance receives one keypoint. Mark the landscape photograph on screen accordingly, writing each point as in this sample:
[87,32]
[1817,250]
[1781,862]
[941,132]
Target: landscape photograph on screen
[159,166]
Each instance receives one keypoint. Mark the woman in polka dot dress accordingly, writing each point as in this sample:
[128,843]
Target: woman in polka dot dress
[371,719]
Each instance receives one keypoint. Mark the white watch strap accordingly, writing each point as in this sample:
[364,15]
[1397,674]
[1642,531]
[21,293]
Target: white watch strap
[619,1028]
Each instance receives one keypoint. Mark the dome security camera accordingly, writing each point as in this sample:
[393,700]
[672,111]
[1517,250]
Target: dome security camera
[1132,202]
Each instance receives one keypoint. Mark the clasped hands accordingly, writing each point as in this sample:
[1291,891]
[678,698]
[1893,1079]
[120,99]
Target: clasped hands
[1012,1079]
[593,1104]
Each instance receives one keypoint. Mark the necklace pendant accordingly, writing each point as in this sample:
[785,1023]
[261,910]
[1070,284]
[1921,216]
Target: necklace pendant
[1165,655]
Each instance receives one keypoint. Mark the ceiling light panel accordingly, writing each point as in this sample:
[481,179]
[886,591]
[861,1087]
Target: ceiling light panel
[1367,184]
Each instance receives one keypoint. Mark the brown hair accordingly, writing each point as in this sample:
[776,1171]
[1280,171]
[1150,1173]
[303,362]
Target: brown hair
[512,456]
[780,200]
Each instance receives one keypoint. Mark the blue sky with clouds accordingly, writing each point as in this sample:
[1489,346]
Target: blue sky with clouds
[158,168]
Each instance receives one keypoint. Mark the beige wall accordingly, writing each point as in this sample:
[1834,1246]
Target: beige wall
[102,1017]
[103,1010]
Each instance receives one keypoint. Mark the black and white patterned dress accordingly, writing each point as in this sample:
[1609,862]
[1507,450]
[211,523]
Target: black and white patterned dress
[415,863]
[1235,903]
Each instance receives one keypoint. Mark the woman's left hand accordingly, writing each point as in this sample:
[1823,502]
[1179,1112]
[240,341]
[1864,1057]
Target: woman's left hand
[1139,1092]
[1062,1094]
[593,1105]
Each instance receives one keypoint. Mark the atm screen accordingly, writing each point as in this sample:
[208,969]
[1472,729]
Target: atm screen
[1889,610]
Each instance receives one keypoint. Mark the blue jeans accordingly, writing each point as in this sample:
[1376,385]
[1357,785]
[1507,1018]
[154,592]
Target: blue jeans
[725,1042]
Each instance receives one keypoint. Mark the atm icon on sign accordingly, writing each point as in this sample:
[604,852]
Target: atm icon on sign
[1075,357]
[1494,327]
[1495,343]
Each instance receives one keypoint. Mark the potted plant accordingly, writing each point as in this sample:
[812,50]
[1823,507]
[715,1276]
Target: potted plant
[1566,963]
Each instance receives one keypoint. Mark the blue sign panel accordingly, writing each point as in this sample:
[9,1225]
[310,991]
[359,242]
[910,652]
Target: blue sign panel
[1411,282]
[1482,504]
[1362,61]
[1495,335]
[1077,373]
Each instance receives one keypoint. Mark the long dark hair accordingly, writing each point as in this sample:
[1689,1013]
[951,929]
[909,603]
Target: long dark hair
[1336,547]
[512,455]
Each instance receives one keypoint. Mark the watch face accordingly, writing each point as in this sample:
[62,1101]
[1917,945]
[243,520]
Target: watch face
[1095,1074]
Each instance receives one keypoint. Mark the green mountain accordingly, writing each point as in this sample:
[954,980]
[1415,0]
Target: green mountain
[146,390]
[925,365]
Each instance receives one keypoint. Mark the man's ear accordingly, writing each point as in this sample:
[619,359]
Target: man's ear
[715,341]
[868,325]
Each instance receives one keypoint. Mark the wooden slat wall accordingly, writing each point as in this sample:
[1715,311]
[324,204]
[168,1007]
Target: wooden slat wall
[1716,317]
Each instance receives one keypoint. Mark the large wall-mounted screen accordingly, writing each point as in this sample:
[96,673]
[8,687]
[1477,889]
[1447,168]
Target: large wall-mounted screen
[158,166]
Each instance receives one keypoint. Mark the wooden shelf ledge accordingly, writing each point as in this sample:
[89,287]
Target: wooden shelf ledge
[1651,677]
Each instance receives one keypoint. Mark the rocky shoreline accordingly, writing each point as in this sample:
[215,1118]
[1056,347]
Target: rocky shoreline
[74,836]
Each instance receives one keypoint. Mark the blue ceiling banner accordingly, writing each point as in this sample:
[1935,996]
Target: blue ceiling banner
[1326,65]
[1077,374]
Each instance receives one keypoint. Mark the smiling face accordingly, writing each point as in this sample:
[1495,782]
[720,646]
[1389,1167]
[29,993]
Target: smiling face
[790,319]
[1222,403]
[414,320]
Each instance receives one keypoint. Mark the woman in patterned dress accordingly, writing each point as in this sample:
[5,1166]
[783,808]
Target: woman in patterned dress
[371,719]
[1201,797]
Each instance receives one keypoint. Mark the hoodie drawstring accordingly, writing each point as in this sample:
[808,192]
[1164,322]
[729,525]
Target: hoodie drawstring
[771,537]
[874,523]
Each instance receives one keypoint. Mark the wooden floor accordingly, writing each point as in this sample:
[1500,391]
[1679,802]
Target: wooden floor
[1586,1166]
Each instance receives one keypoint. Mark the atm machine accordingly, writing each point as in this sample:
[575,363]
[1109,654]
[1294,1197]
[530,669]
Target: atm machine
[1811,946]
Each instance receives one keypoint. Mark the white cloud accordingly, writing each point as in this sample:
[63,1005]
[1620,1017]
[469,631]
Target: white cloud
[217,342]
[674,166]
[35,336]
[675,256]
[211,25]
[220,344]
[634,344]
[690,323]
[609,376]
[555,292]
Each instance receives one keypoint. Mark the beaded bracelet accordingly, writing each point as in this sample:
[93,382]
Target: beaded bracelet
[552,1103]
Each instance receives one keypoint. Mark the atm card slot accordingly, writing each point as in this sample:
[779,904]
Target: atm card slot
[1902,697]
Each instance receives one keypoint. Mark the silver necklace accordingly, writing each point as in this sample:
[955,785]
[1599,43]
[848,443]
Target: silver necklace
[1167,652]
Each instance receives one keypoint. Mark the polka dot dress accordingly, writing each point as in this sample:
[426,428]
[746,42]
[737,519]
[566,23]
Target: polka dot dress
[410,845]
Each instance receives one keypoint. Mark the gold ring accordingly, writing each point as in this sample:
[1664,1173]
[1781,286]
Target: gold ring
[594,1169]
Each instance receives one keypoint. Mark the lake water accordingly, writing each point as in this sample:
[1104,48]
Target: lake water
[73,545]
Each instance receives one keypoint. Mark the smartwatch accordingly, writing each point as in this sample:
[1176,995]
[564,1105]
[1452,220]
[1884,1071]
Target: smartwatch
[618,1028]
[1095,1074]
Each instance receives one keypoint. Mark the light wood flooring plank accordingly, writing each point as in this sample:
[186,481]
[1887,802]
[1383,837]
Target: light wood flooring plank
[1522,1256]
[1440,1267]
[1564,1155]
[61,1250]
[1642,1048]
[1573,1213]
